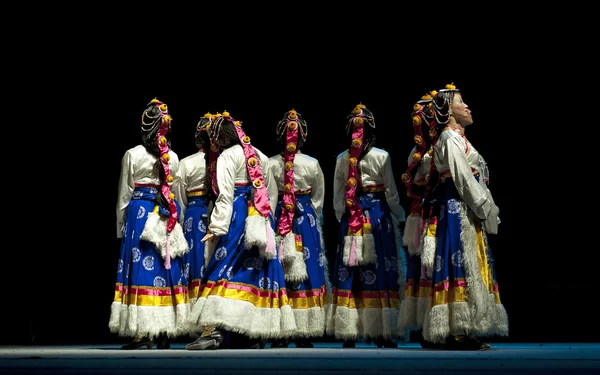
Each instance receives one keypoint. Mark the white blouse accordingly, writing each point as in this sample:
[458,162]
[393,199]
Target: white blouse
[455,154]
[137,167]
[231,170]
[193,177]
[375,168]
[307,176]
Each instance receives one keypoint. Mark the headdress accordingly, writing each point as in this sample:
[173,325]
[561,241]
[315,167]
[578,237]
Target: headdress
[443,103]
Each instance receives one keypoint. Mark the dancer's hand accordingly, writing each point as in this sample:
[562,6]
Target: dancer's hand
[209,236]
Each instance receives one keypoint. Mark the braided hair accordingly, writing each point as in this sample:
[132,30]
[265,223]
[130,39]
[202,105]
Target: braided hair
[211,152]
[424,130]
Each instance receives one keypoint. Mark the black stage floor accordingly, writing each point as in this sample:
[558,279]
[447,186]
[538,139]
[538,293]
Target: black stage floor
[325,358]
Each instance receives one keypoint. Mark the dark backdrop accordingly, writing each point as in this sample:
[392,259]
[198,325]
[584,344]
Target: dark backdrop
[95,101]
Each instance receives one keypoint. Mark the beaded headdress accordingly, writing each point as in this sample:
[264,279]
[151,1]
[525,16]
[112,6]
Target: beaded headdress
[442,103]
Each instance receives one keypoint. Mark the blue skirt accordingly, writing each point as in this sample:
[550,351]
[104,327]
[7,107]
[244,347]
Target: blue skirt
[309,298]
[464,298]
[194,228]
[366,298]
[244,292]
[149,299]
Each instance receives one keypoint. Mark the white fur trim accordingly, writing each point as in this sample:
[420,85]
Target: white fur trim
[349,324]
[343,323]
[428,255]
[243,317]
[380,322]
[412,234]
[289,247]
[359,249]
[412,313]
[155,231]
[133,320]
[310,322]
[295,270]
[254,232]
[436,326]
[369,251]
[479,296]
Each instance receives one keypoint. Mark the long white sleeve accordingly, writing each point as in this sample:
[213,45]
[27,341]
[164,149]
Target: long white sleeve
[317,194]
[391,192]
[339,190]
[180,189]
[221,214]
[473,194]
[126,186]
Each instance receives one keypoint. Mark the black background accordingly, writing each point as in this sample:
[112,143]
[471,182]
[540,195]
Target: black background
[87,114]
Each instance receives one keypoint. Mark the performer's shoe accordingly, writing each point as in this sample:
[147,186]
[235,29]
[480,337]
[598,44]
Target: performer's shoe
[349,344]
[462,342]
[162,342]
[210,339]
[139,342]
[256,344]
[280,343]
[385,343]
[430,345]
[303,343]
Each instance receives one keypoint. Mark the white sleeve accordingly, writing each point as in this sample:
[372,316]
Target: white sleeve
[391,192]
[272,190]
[220,218]
[175,187]
[126,186]
[469,189]
[317,193]
[339,190]
[180,190]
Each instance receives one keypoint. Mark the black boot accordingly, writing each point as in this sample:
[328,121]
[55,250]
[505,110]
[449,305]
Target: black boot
[303,343]
[211,338]
[139,342]
[349,344]
[385,343]
[280,343]
[463,342]
[430,345]
[162,342]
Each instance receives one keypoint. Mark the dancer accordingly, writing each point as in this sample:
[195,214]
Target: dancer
[298,219]
[151,300]
[458,212]
[244,288]
[368,276]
